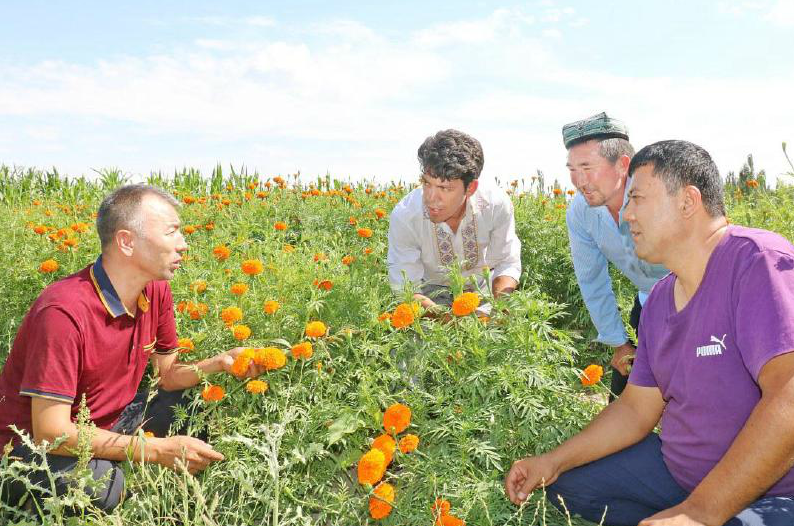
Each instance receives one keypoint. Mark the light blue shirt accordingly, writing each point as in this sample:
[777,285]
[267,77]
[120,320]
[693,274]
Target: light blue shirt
[595,240]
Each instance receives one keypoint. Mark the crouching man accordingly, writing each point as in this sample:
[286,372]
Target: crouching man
[92,334]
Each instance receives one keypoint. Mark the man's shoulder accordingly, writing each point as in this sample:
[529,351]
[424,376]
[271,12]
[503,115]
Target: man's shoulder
[756,240]
[491,195]
[69,293]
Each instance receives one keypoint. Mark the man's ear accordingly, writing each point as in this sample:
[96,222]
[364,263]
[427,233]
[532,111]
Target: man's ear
[472,188]
[622,165]
[125,241]
[691,201]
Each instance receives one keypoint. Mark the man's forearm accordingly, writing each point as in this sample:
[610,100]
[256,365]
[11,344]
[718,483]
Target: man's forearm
[107,445]
[759,456]
[185,375]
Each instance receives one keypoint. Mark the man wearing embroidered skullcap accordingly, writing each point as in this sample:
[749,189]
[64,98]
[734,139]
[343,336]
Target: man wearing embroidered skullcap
[599,154]
[90,336]
[452,220]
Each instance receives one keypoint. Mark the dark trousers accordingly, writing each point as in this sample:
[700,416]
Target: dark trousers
[156,416]
[634,483]
[619,381]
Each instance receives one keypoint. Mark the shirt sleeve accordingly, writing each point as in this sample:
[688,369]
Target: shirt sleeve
[592,274]
[404,256]
[53,362]
[764,299]
[167,341]
[504,248]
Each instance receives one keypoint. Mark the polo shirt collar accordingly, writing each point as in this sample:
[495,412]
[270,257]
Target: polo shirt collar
[108,295]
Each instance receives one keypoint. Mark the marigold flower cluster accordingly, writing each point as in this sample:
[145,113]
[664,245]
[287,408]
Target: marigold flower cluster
[364,232]
[302,350]
[257,387]
[49,266]
[465,304]
[315,329]
[592,374]
[271,306]
[230,315]
[372,465]
[221,252]
[252,267]
[185,345]
[241,332]
[198,286]
[404,315]
[238,289]
[213,393]
[196,311]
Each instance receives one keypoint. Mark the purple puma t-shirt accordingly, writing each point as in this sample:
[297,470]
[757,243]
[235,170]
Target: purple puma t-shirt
[706,358]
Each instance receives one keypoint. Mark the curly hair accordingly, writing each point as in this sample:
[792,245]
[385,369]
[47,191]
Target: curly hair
[451,154]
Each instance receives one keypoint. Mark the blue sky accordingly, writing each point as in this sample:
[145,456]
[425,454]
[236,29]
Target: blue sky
[354,89]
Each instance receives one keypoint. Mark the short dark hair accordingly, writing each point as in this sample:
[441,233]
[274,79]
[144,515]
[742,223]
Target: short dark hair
[451,154]
[120,210]
[682,163]
[609,147]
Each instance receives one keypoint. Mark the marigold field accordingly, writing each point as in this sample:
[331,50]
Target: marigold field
[295,270]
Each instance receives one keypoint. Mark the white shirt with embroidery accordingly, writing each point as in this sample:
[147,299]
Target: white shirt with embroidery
[424,251]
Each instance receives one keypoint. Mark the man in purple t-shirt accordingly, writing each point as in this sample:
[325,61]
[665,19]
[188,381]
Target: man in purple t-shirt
[714,369]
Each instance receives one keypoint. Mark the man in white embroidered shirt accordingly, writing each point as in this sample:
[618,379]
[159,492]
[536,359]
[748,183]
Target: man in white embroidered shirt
[452,218]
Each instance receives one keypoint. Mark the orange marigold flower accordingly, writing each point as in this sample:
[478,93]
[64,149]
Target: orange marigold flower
[280,225]
[348,260]
[241,364]
[367,250]
[257,387]
[302,350]
[403,316]
[209,226]
[364,232]
[557,191]
[40,229]
[380,213]
[371,467]
[252,267]
[238,289]
[315,329]
[385,316]
[378,509]
[188,199]
[213,393]
[185,345]
[230,315]
[465,304]
[48,266]
[440,507]
[319,256]
[571,192]
[198,286]
[71,242]
[271,306]
[271,358]
[288,248]
[221,252]
[396,418]
[189,229]
[592,374]
[325,284]
[352,220]
[241,332]
[408,443]
[387,445]
[450,520]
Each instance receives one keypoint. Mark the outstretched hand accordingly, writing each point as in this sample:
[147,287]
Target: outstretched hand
[528,474]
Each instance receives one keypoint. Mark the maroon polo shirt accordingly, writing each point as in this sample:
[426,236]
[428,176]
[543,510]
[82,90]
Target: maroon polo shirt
[78,338]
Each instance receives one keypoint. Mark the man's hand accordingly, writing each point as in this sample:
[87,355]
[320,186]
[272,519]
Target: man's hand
[622,357]
[196,454]
[680,515]
[528,474]
[227,360]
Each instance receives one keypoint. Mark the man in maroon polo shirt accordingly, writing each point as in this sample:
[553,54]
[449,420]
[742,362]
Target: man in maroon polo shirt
[92,334]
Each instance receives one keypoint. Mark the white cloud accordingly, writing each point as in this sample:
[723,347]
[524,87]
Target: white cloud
[360,105]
